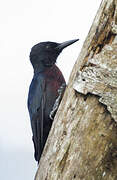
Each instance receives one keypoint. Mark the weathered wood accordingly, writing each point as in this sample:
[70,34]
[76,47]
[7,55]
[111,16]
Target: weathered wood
[99,77]
[82,143]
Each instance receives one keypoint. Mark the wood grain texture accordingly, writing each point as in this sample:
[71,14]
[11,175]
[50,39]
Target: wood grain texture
[82,144]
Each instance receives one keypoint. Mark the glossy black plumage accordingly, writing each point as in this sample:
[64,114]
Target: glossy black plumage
[43,90]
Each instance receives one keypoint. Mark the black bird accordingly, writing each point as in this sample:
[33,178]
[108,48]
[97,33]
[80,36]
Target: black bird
[45,91]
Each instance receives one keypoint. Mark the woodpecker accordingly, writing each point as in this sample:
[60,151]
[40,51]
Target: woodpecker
[45,91]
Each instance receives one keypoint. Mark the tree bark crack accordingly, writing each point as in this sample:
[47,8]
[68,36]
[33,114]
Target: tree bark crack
[62,163]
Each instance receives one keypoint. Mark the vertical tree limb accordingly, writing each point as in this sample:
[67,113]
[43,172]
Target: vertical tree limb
[82,143]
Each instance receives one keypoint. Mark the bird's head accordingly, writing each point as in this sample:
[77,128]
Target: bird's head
[44,54]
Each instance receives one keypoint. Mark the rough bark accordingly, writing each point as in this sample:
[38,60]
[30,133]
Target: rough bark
[82,144]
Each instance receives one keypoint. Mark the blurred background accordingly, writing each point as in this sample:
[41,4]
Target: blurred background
[23,24]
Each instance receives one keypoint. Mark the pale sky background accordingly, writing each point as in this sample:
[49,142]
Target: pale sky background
[24,23]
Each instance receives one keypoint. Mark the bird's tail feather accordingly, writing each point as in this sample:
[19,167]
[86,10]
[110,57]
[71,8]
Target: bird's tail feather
[38,146]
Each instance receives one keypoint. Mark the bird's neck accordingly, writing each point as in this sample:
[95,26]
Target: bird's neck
[41,68]
[38,68]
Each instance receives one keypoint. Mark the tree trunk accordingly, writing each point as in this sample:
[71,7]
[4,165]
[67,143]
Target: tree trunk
[82,144]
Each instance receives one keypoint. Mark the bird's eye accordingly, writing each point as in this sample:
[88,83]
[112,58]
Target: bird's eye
[47,47]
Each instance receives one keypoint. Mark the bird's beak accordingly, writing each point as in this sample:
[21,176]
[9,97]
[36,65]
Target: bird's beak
[65,44]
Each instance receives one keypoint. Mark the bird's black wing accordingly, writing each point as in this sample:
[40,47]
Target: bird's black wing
[36,102]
